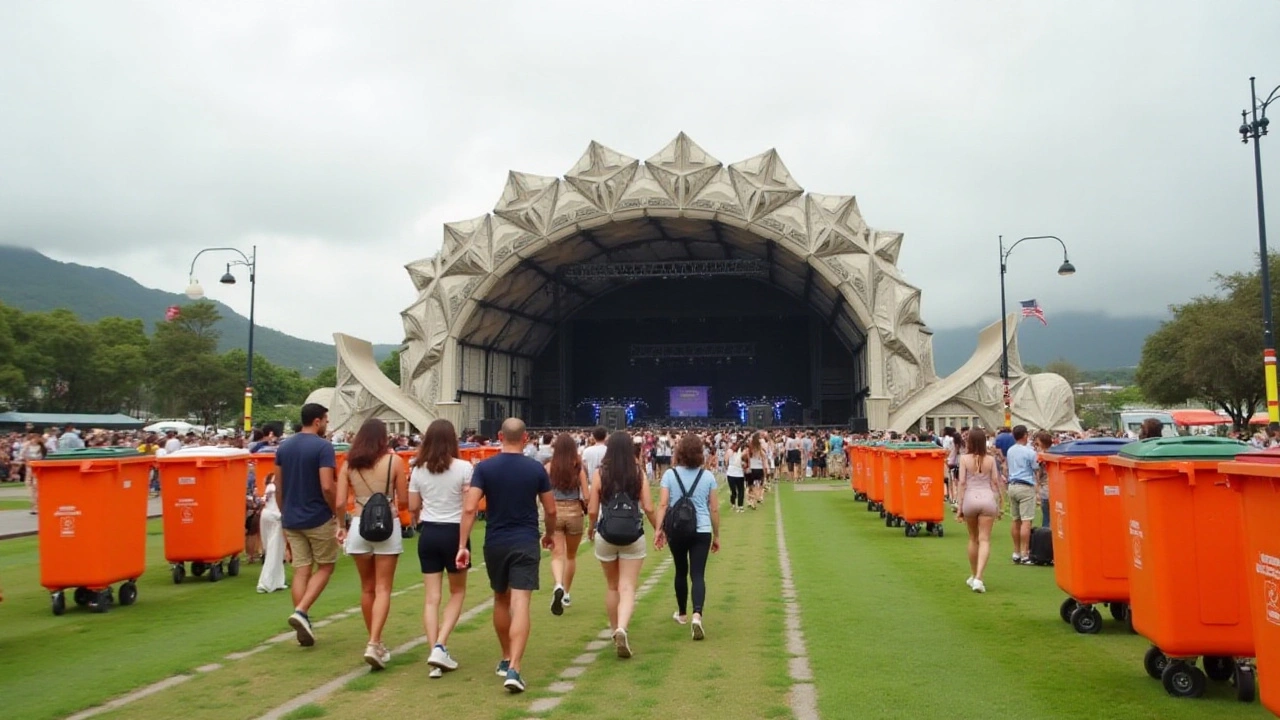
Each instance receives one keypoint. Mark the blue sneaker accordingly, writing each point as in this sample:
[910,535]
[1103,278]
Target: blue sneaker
[503,668]
[513,684]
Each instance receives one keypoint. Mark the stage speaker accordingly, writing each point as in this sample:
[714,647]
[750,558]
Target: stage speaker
[858,425]
[760,416]
[490,428]
[613,418]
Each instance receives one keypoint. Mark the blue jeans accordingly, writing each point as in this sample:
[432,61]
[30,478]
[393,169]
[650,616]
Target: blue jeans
[1044,512]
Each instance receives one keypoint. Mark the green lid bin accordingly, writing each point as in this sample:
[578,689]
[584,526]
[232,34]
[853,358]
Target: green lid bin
[1190,447]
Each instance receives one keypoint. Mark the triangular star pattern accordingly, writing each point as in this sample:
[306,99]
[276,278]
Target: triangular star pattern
[762,184]
[602,176]
[682,169]
[528,201]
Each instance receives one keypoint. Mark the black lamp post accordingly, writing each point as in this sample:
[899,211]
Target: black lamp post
[1065,269]
[195,292]
[1253,125]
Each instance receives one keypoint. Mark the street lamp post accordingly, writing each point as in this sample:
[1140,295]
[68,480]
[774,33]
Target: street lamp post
[195,292]
[1065,269]
[1253,125]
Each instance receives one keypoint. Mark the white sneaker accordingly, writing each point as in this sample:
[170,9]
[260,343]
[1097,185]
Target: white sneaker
[676,616]
[568,601]
[436,673]
[978,586]
[1017,559]
[969,582]
[698,633]
[441,660]
[621,644]
[376,657]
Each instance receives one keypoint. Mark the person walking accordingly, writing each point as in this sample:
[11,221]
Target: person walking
[683,483]
[1043,441]
[437,486]
[737,477]
[618,495]
[512,485]
[979,503]
[271,577]
[569,486]
[32,450]
[373,469]
[1021,462]
[756,457]
[307,494]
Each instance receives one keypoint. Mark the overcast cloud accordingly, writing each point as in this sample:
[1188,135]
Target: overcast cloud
[339,136]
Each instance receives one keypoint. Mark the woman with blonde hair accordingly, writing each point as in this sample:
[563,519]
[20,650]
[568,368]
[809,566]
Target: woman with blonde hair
[437,486]
[372,468]
[980,500]
[569,486]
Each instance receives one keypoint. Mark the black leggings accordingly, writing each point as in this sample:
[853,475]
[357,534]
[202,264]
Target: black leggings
[691,562]
[737,490]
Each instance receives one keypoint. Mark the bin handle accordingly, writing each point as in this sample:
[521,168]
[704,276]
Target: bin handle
[92,466]
[1092,463]
[208,463]
[1188,469]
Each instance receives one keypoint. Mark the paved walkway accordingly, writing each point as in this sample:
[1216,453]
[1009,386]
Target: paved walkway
[20,523]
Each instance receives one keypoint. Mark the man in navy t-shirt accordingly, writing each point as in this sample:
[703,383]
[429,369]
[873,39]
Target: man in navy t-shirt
[512,485]
[307,492]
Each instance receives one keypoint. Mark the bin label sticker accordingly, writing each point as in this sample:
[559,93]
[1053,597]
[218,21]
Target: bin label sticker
[1061,511]
[925,485]
[1111,490]
[128,484]
[1135,532]
[186,510]
[66,516]
[186,481]
[1268,566]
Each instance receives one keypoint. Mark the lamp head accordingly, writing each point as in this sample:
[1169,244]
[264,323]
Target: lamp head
[194,291]
[1066,268]
[227,277]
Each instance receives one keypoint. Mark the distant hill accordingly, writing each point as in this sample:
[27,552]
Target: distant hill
[32,282]
[1087,340]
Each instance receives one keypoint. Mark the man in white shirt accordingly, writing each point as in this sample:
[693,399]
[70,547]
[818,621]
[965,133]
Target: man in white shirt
[594,454]
[172,444]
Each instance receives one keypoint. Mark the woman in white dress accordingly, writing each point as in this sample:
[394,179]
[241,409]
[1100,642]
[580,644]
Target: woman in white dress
[272,576]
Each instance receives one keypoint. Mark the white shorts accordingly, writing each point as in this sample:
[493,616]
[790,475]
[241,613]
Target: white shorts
[608,552]
[357,545]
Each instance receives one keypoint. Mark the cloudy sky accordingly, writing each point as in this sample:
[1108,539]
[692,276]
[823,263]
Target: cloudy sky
[339,136]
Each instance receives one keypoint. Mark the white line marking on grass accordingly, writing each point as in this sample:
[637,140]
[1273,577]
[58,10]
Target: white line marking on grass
[133,697]
[804,694]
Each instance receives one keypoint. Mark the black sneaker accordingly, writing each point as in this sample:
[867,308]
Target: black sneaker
[513,683]
[503,668]
[557,601]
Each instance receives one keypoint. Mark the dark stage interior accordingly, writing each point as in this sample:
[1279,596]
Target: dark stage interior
[647,336]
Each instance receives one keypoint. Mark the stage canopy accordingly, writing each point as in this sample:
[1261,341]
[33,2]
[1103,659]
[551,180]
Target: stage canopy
[40,421]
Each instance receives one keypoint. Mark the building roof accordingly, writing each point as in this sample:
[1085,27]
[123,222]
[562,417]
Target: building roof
[80,420]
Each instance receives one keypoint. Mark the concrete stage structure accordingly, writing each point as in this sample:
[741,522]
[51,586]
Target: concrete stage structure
[504,285]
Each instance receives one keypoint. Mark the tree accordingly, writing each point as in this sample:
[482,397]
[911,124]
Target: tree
[391,366]
[189,376]
[1067,370]
[272,384]
[326,378]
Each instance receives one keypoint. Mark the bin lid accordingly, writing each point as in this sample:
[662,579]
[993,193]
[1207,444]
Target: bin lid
[913,445]
[1192,447]
[209,452]
[1270,456]
[341,447]
[95,453]
[1090,447]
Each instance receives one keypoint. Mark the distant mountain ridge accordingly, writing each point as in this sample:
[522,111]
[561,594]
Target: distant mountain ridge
[33,282]
[1088,340]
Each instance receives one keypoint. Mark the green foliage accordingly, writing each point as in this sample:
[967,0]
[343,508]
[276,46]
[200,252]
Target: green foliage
[1067,370]
[326,378]
[391,366]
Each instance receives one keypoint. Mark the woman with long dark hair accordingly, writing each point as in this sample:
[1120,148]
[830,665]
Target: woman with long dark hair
[569,486]
[437,486]
[620,475]
[372,468]
[979,504]
[686,476]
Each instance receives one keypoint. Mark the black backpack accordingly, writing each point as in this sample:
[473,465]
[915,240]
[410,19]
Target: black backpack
[621,520]
[377,521]
[681,523]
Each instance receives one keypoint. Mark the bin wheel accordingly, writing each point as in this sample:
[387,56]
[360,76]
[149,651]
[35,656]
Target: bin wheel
[179,573]
[1246,683]
[102,601]
[198,568]
[1128,619]
[128,593]
[82,596]
[883,513]
[888,521]
[215,572]
[1219,668]
[1086,620]
[1183,680]
[58,603]
[233,566]
[937,530]
[911,530]
[1119,611]
[1154,662]
[870,506]
[1068,606]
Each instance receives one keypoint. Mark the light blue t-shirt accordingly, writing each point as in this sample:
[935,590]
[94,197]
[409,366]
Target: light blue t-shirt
[700,497]
[1022,464]
[837,444]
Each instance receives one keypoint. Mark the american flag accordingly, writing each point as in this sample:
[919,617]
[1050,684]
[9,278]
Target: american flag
[1031,308]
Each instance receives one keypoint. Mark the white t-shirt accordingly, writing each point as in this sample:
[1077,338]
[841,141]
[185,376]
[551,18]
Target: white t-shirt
[441,494]
[592,457]
[172,445]
[735,465]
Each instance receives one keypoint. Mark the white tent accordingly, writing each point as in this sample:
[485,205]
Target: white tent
[175,425]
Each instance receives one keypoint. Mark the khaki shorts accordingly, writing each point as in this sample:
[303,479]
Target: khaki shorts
[568,517]
[317,545]
[1022,502]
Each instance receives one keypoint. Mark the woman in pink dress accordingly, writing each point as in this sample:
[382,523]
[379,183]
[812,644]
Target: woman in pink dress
[981,498]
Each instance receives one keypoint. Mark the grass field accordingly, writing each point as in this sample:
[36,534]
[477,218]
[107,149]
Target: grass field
[12,504]
[890,628]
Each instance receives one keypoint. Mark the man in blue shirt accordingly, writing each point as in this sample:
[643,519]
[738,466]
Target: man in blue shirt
[1022,493]
[307,491]
[512,485]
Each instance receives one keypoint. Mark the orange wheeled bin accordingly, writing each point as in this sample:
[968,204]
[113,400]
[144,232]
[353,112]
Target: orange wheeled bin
[891,474]
[853,457]
[1256,478]
[204,510]
[1090,532]
[875,478]
[263,464]
[475,455]
[1187,582]
[93,525]
[921,472]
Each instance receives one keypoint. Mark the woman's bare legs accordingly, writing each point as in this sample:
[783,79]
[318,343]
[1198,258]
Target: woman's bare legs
[571,543]
[985,523]
[972,524]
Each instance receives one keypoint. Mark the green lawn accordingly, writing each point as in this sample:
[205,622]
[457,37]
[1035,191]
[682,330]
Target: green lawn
[12,504]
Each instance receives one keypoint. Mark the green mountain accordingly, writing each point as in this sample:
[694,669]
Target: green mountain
[32,282]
